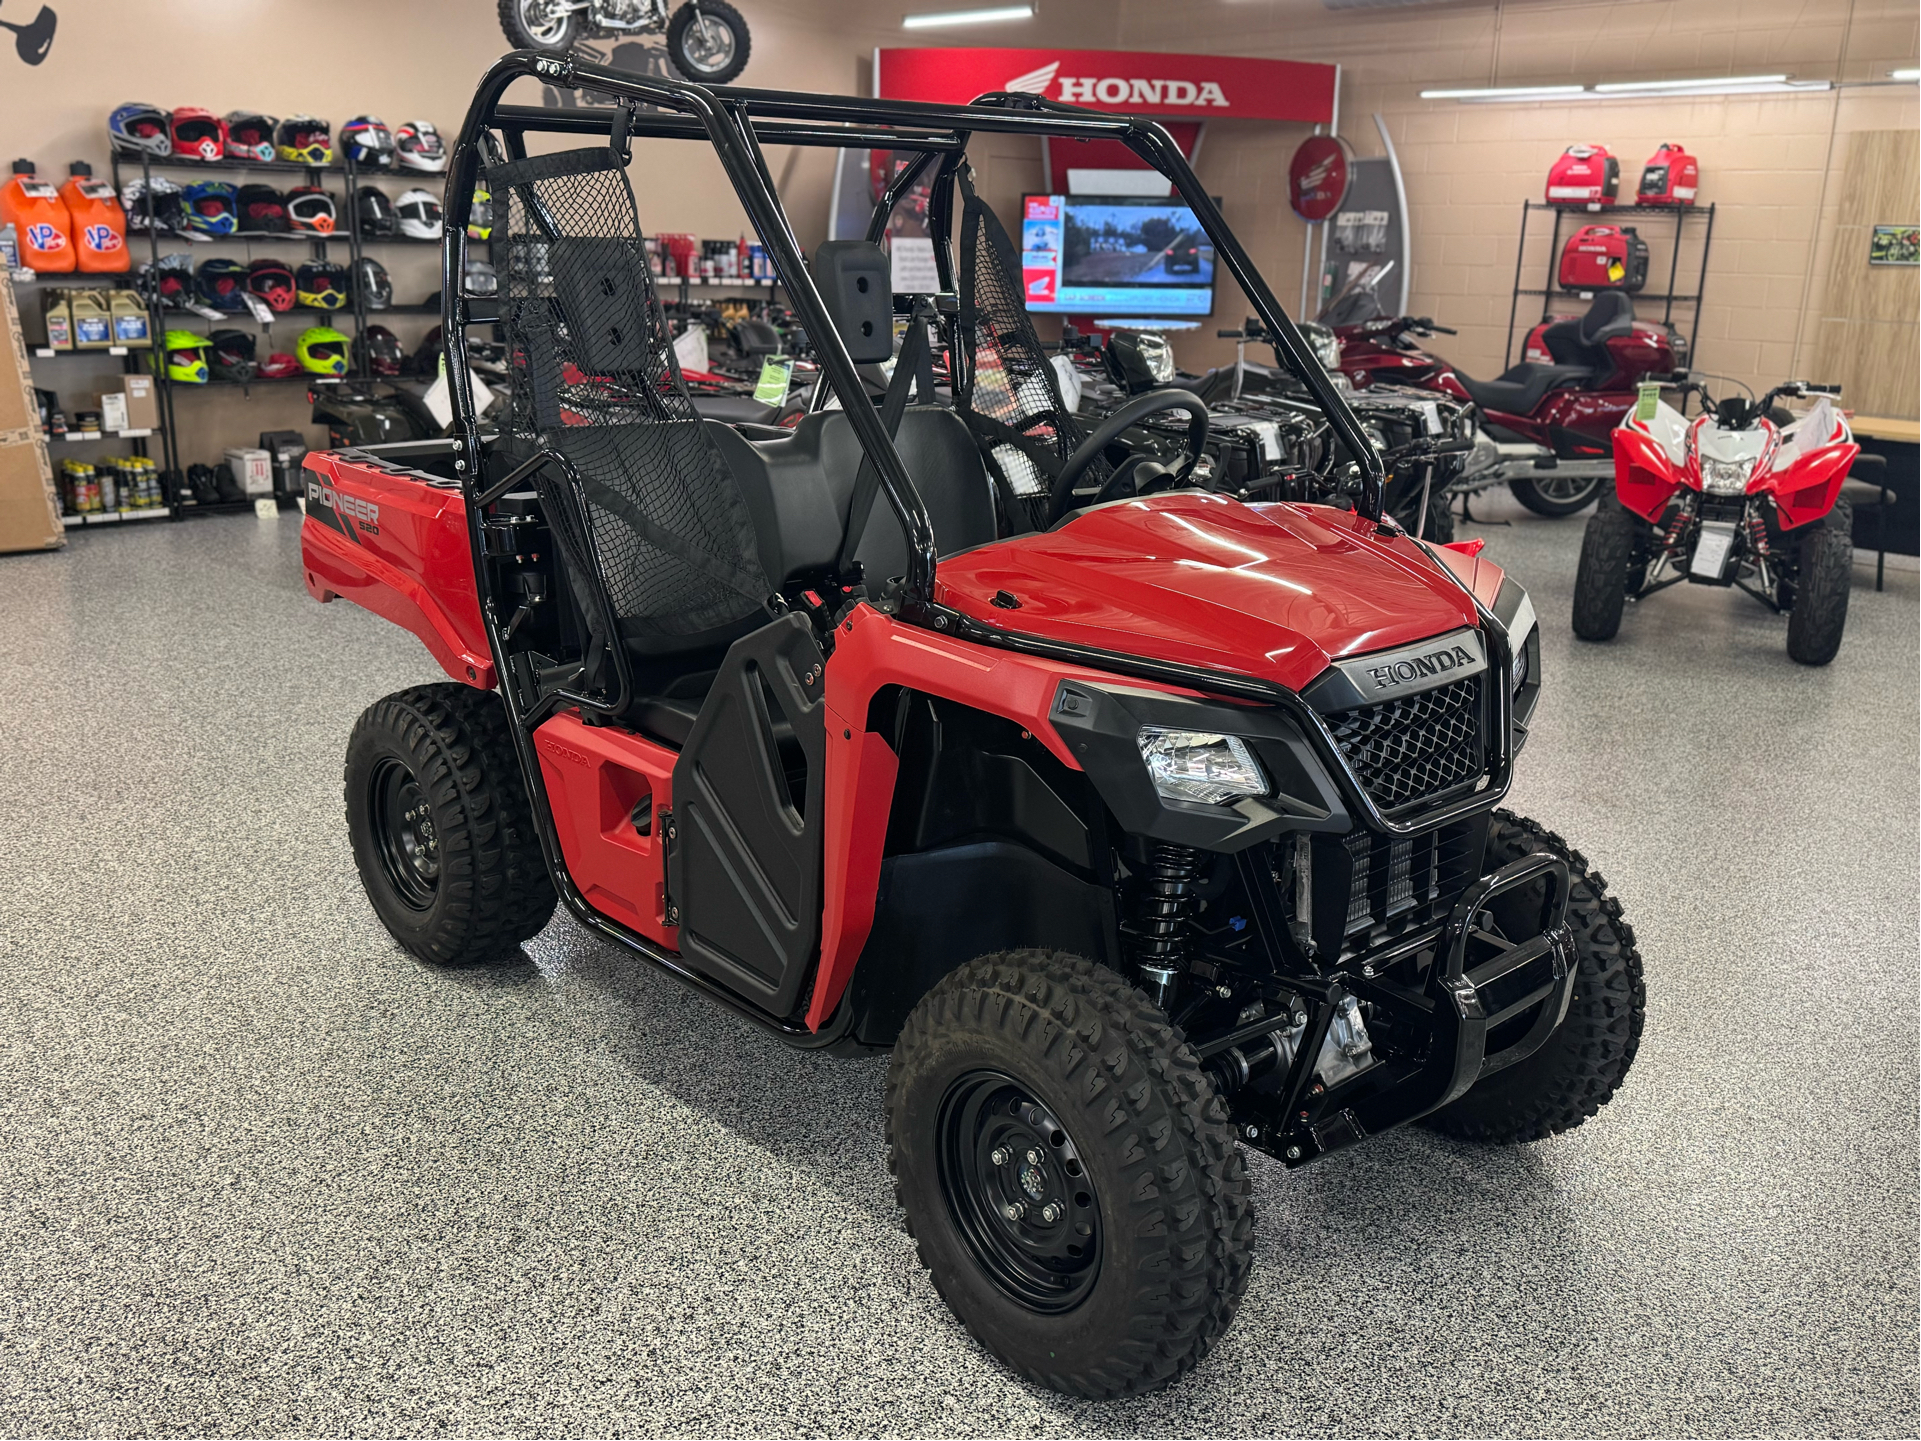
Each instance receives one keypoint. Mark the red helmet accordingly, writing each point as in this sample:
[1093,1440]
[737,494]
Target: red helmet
[197,134]
[272,282]
[279,365]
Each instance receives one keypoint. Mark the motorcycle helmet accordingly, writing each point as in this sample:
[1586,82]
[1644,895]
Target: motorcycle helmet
[371,284]
[379,349]
[419,215]
[197,134]
[200,481]
[322,351]
[273,283]
[249,135]
[169,280]
[212,207]
[185,357]
[303,140]
[481,279]
[136,128]
[279,366]
[221,284]
[368,142]
[425,362]
[320,285]
[311,209]
[263,211]
[154,206]
[375,213]
[480,218]
[233,355]
[417,146]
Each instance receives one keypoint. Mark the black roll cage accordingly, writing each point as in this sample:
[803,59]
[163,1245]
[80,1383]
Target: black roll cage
[735,121]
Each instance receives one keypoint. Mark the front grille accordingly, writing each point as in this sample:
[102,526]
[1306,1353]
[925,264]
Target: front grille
[1383,887]
[1418,746]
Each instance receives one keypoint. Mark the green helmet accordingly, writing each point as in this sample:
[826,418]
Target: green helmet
[322,350]
[182,351]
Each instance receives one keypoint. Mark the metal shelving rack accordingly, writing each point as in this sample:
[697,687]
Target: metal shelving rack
[1595,214]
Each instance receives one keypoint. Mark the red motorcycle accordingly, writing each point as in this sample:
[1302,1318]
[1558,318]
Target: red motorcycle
[1546,426]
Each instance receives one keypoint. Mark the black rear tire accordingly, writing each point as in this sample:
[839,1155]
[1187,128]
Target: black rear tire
[723,63]
[1824,576]
[1581,1066]
[1601,580]
[1557,496]
[442,832]
[1039,1052]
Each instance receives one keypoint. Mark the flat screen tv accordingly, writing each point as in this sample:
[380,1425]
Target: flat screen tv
[1115,255]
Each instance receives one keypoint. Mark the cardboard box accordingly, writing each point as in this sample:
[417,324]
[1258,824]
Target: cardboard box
[29,509]
[17,409]
[143,406]
[252,469]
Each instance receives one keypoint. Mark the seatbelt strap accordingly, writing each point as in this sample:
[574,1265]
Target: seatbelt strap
[914,364]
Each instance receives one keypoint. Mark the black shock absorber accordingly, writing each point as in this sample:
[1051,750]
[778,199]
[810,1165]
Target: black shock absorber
[1165,900]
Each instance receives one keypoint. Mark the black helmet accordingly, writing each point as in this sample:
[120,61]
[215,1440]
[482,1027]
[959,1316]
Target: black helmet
[378,349]
[263,211]
[221,283]
[375,212]
[233,355]
[375,290]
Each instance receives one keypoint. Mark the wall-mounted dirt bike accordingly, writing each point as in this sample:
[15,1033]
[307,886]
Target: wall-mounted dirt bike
[706,39]
[1545,427]
[1744,496]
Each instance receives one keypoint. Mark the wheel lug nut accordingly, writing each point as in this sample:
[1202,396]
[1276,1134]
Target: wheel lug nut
[1013,1210]
[1033,1158]
[999,1156]
[1051,1211]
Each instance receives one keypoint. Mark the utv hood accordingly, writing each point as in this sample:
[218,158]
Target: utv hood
[1270,591]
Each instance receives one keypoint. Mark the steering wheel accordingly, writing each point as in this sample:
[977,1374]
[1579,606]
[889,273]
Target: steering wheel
[1150,403]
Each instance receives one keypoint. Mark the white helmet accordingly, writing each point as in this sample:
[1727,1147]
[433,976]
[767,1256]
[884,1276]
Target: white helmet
[419,215]
[418,146]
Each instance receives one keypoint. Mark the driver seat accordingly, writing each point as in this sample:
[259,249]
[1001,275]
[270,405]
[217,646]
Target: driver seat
[1581,359]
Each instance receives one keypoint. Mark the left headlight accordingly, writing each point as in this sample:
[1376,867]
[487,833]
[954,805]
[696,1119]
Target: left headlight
[1725,477]
[1200,766]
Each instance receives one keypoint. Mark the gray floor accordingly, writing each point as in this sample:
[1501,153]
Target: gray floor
[262,1173]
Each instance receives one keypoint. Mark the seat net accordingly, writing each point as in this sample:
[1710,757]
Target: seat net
[594,381]
[1012,397]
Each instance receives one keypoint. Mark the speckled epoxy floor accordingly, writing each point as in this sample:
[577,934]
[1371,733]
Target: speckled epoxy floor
[261,1173]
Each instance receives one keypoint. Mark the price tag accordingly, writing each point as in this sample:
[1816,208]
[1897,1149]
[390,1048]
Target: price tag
[1644,406]
[776,374]
[265,509]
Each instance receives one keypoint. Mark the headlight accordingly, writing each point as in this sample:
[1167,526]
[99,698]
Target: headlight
[1199,766]
[1725,477]
[1327,349]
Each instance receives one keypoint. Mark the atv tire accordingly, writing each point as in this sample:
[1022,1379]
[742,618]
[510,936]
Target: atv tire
[1130,1238]
[442,832]
[1555,498]
[1824,575]
[1601,580]
[1581,1066]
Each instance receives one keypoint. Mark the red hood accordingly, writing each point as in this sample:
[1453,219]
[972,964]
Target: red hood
[1272,591]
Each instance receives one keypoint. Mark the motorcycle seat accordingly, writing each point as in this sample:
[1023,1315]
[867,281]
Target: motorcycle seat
[1522,388]
[735,409]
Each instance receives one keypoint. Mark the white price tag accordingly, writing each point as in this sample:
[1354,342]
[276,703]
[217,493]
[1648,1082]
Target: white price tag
[266,509]
[1711,551]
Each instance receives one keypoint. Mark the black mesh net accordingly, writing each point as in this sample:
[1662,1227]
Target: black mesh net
[1012,400]
[596,382]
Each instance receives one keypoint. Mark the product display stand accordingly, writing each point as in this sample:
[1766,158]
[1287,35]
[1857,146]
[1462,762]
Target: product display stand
[1591,214]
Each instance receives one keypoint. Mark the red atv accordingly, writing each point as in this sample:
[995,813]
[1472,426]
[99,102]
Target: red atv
[1163,827]
[1547,426]
[1744,495]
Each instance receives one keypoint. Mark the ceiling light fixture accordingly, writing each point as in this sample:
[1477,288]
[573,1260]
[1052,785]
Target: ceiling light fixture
[1908,74]
[996,15]
[1624,85]
[1644,89]
[1505,92]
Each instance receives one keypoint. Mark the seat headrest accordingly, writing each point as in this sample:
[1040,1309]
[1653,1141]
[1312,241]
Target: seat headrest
[1612,313]
[857,285]
[756,337]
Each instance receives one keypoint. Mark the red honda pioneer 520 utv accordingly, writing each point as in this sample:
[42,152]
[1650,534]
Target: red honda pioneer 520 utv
[1140,822]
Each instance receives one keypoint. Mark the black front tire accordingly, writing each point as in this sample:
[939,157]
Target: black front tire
[1581,1066]
[442,832]
[1148,1145]
[719,63]
[1601,579]
[1823,579]
[1557,497]
[556,37]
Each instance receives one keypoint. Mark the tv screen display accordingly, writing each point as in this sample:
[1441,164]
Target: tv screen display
[1115,255]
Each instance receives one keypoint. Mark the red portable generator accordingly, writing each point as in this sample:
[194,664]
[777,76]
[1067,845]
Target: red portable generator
[1604,257]
[1670,177]
[1584,175]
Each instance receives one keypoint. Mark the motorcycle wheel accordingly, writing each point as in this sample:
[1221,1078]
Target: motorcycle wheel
[1557,496]
[532,25]
[708,45]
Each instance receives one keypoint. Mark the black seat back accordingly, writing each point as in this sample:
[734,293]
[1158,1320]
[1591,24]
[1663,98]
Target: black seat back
[1584,341]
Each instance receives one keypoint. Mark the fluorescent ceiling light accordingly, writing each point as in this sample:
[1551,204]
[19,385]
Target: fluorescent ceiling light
[993,16]
[1505,92]
[1908,74]
[1717,82]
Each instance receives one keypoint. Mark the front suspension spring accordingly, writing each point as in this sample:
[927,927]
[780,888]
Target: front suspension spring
[1166,899]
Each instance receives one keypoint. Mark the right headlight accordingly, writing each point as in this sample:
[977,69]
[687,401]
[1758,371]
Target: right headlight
[1200,766]
[1725,477]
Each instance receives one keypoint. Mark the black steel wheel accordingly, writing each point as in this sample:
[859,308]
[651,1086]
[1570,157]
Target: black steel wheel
[1068,1172]
[1017,1192]
[708,42]
[1557,495]
[442,832]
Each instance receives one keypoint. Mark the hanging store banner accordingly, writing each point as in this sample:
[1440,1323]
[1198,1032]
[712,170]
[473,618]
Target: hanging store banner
[1131,82]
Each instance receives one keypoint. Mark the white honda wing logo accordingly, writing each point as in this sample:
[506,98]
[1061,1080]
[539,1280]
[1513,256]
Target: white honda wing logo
[1113,90]
[1034,82]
